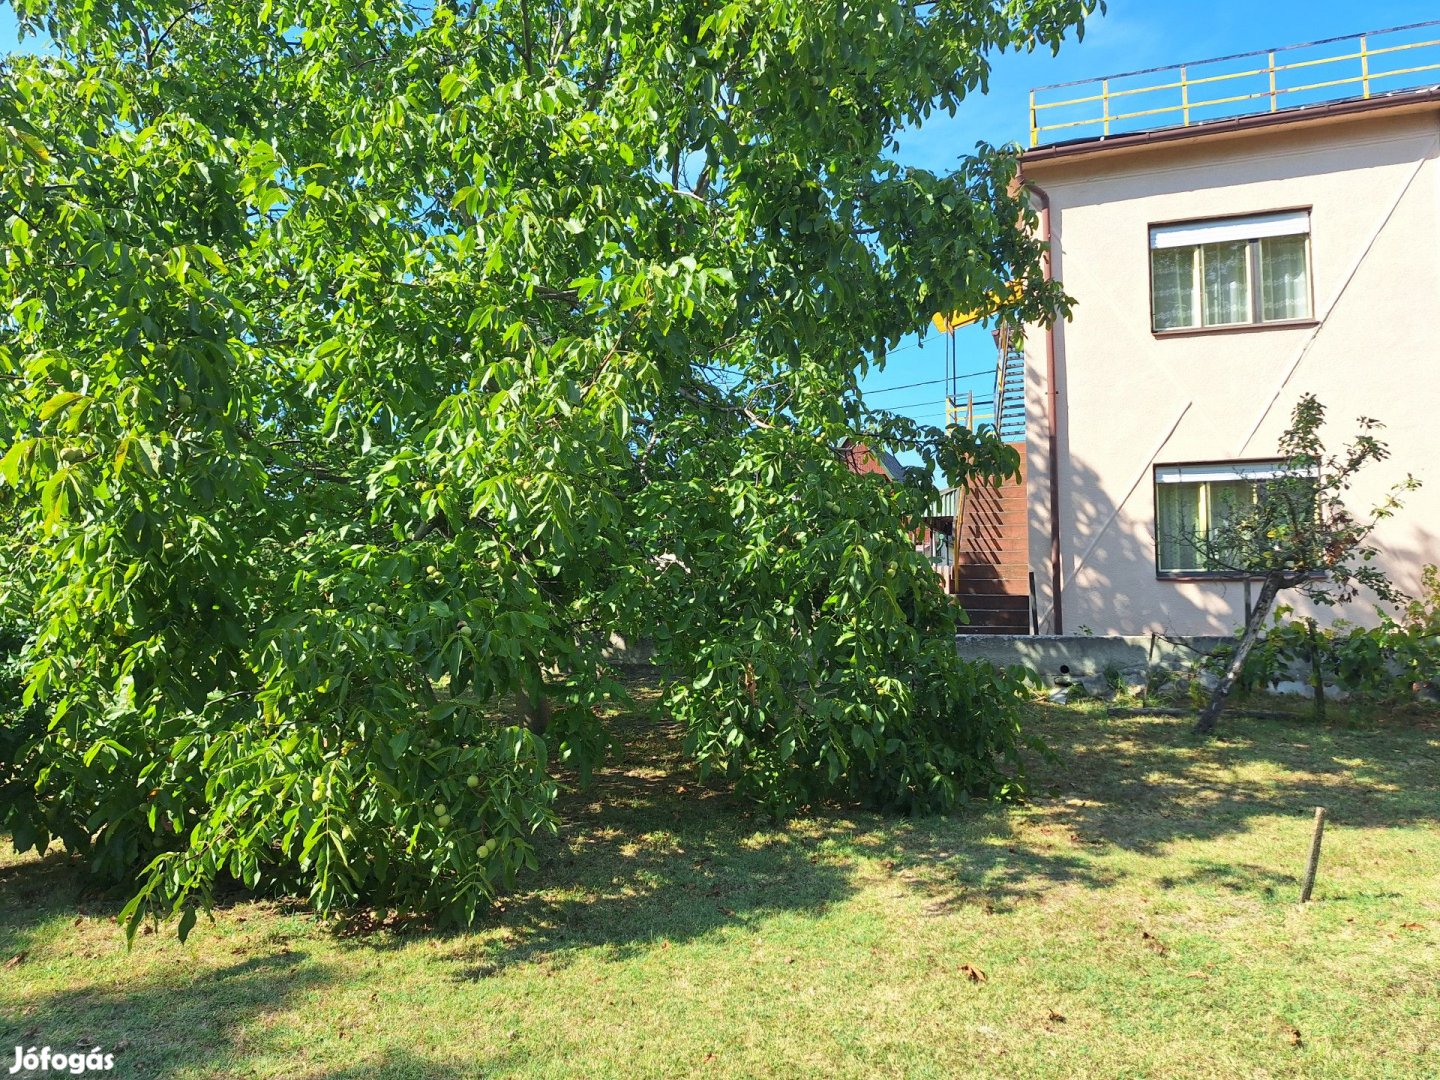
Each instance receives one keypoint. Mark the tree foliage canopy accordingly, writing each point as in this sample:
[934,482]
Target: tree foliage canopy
[365,363]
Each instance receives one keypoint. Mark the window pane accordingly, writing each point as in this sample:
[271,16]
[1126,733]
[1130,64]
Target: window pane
[1172,273]
[1227,500]
[1177,524]
[1284,278]
[1226,283]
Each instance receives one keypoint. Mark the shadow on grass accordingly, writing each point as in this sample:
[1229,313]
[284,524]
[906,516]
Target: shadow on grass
[1144,782]
[1241,878]
[392,1064]
[33,891]
[164,1023]
[979,858]
[187,1019]
[648,857]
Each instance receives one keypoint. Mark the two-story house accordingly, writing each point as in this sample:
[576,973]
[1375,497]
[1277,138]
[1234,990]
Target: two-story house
[1225,257]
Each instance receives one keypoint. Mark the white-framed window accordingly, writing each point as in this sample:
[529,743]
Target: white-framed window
[1192,501]
[1231,271]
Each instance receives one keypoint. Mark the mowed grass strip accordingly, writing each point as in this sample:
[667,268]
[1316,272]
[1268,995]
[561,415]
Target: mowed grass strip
[1137,918]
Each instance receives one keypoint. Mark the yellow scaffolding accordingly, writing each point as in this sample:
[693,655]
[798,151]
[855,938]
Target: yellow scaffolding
[1230,86]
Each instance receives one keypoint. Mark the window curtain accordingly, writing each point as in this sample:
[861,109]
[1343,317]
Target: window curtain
[1177,524]
[1172,274]
[1226,283]
[1225,501]
[1284,278]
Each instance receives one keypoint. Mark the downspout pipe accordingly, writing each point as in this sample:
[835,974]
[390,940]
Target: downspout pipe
[1051,421]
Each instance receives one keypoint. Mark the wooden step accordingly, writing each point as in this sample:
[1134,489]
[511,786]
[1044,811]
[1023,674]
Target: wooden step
[997,529]
[992,601]
[1001,594]
[1008,507]
[971,590]
[992,529]
[995,601]
[1003,622]
[997,506]
[986,548]
[1015,622]
[1004,485]
[1018,513]
[993,521]
[978,567]
[993,496]
[1020,613]
[996,526]
[994,545]
[1013,628]
[975,567]
[979,570]
[994,563]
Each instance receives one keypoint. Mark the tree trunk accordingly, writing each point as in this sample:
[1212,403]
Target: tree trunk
[1208,719]
[534,709]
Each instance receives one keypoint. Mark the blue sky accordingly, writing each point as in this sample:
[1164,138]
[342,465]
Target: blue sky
[1133,34]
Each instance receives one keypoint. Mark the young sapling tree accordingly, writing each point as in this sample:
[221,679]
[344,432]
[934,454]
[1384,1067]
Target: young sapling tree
[1299,533]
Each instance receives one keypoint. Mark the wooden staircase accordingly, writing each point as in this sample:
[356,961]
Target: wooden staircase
[992,557]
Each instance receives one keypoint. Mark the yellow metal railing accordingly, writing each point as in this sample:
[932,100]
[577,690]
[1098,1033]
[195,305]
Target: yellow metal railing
[1117,102]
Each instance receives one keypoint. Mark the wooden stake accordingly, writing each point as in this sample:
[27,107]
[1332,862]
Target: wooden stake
[1314,855]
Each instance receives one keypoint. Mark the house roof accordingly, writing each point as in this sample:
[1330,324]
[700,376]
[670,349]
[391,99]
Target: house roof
[1399,102]
[891,464]
[862,457]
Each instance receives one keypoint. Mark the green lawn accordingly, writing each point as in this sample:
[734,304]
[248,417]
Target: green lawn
[1138,918]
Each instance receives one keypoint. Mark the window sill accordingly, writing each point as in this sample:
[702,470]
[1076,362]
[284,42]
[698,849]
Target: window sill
[1222,576]
[1236,328]
[1204,575]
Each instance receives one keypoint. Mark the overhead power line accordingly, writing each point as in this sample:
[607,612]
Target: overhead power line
[929,382]
[979,403]
[903,386]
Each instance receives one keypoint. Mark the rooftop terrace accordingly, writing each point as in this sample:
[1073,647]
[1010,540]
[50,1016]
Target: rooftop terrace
[1357,67]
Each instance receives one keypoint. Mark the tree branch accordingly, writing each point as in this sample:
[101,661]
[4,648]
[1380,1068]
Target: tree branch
[528,50]
[152,48]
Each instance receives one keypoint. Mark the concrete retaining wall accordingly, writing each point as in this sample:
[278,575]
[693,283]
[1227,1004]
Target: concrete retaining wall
[1059,660]
[1069,659]
[1092,661]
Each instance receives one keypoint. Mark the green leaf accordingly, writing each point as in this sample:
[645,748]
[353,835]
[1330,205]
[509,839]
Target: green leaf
[58,403]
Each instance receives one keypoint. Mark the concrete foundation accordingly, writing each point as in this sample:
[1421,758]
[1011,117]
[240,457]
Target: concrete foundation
[1090,661]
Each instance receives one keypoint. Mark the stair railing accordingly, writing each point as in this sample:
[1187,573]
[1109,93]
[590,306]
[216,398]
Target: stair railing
[1009,383]
[961,494]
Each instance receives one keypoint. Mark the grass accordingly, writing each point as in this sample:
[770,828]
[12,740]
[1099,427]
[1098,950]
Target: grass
[1137,918]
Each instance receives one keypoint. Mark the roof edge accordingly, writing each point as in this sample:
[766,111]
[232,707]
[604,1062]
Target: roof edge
[1405,101]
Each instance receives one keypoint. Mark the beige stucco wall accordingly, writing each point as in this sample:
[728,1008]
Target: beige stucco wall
[1129,400]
